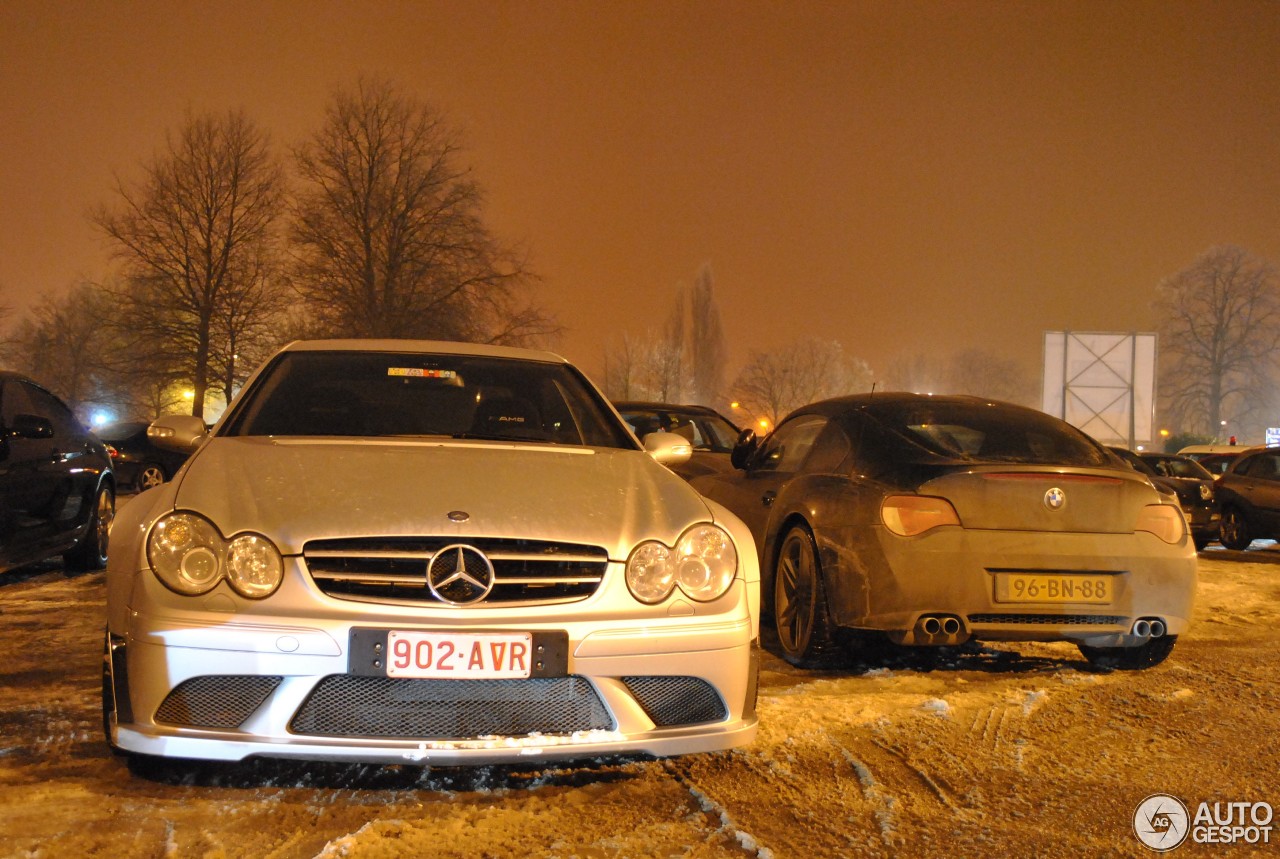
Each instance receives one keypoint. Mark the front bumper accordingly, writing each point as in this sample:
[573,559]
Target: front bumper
[220,686]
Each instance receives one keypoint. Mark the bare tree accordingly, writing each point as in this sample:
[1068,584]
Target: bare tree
[774,383]
[918,372]
[190,235]
[1219,334]
[63,344]
[706,341]
[986,374]
[388,233]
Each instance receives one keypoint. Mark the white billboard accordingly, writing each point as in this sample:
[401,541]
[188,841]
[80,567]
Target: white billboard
[1102,382]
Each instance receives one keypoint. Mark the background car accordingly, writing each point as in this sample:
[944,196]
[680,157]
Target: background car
[413,552]
[1249,492]
[935,520]
[138,462]
[1217,463]
[711,433]
[57,491]
[1189,481]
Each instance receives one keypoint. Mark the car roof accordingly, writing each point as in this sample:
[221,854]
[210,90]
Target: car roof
[436,347]
[889,399]
[621,405]
[1212,448]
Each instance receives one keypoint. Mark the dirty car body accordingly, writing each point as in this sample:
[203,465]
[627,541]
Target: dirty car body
[936,520]
[420,552]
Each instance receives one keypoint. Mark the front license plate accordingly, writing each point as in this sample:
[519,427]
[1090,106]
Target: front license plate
[459,655]
[1040,588]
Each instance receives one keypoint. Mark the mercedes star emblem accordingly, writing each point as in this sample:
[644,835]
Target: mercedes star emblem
[460,575]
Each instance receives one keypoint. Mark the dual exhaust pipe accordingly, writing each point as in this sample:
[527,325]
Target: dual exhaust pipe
[1152,627]
[937,629]
[945,625]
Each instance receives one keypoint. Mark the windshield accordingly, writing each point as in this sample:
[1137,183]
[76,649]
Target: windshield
[706,431]
[377,394]
[986,432]
[1179,467]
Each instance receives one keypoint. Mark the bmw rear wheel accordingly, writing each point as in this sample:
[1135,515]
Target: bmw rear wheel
[1234,530]
[805,631]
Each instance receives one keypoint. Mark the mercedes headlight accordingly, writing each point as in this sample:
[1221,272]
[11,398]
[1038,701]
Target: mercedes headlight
[190,556]
[702,565]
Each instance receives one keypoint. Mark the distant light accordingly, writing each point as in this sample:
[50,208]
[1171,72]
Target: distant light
[1141,448]
[764,422]
[188,394]
[735,405]
[1164,433]
[100,417]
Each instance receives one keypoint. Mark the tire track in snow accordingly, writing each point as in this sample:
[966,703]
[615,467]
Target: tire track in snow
[709,806]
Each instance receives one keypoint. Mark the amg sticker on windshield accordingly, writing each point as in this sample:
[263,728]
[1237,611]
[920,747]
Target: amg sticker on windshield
[421,373]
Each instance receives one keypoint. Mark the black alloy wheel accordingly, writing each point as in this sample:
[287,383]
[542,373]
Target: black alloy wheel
[1234,530]
[91,552]
[805,631]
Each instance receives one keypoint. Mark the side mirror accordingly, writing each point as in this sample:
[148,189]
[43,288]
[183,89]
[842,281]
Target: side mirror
[182,433]
[744,449]
[667,447]
[31,426]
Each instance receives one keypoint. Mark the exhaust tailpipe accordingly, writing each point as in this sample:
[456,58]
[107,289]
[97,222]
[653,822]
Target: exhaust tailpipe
[950,625]
[1142,629]
[1157,628]
[931,626]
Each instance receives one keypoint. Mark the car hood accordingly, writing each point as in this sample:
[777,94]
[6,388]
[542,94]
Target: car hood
[295,490]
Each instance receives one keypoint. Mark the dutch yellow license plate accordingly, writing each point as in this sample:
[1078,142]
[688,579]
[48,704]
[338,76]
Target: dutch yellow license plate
[1042,588]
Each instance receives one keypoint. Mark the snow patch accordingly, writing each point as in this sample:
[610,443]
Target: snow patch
[529,744]
[937,706]
[1033,700]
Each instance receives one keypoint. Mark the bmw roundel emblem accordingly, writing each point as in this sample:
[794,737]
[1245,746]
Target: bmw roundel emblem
[1055,499]
[460,575]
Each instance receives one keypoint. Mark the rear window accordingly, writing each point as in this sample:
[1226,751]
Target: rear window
[986,432]
[381,394]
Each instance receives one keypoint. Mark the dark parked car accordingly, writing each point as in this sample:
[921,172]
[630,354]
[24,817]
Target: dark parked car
[937,520]
[1249,492]
[711,433]
[57,491]
[1189,481]
[138,462]
[1218,463]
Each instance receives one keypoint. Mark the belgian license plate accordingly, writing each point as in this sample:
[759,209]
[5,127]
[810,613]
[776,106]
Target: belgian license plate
[1041,588]
[459,655]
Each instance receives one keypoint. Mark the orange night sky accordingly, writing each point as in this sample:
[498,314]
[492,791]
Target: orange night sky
[902,177]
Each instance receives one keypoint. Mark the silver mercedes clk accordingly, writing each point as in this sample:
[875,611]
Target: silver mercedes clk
[432,553]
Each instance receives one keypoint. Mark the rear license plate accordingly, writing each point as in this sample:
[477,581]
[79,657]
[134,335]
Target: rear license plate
[1040,588]
[459,655]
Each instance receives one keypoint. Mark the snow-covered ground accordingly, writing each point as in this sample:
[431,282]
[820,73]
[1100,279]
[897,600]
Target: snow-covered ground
[1019,750]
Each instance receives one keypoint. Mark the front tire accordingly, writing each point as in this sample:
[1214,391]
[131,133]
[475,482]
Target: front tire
[1234,530]
[805,631]
[1147,655]
[91,552]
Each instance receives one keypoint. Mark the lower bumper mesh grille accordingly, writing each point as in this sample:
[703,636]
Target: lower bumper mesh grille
[1050,619]
[350,706]
[215,701]
[672,701]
